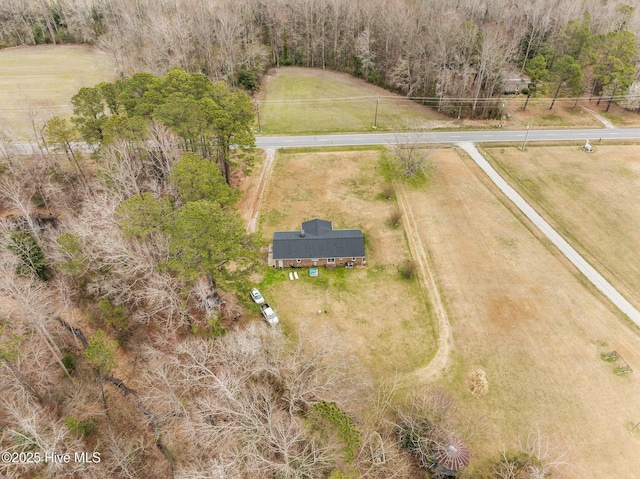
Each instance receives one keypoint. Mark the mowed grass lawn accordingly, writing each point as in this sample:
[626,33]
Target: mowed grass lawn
[377,316]
[306,100]
[521,314]
[590,198]
[44,78]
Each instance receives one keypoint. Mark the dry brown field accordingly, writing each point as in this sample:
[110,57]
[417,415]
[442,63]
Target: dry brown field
[590,198]
[565,114]
[517,309]
[520,312]
[380,318]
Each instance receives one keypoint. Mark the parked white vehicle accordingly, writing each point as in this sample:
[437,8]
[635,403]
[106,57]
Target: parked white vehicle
[256,296]
[269,314]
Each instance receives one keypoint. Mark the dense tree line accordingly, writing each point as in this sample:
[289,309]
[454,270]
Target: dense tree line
[438,49]
[207,117]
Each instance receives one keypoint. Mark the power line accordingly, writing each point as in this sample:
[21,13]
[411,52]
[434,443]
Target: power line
[434,99]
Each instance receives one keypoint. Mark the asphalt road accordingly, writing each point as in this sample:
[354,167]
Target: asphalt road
[465,139]
[359,139]
[483,136]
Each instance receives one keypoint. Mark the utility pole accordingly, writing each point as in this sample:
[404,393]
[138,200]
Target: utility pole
[375,118]
[504,104]
[257,105]
[524,145]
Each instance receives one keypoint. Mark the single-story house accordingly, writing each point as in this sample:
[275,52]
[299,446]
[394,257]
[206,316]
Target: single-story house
[317,244]
[513,85]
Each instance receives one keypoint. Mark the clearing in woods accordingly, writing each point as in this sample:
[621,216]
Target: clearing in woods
[38,82]
[296,100]
[377,315]
[307,100]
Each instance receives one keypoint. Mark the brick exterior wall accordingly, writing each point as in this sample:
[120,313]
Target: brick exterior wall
[308,263]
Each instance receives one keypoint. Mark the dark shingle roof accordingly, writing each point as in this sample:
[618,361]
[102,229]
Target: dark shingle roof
[320,241]
[317,227]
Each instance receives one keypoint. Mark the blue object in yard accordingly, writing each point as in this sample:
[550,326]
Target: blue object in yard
[313,272]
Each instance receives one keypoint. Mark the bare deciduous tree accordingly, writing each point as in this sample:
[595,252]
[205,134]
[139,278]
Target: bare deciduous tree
[29,427]
[426,423]
[36,307]
[410,157]
[18,197]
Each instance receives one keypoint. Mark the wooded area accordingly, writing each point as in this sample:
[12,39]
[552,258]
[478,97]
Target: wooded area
[455,55]
[124,270]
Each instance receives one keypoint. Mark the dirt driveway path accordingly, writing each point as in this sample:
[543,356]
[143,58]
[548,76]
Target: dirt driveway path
[427,279]
[258,194]
[606,123]
[565,248]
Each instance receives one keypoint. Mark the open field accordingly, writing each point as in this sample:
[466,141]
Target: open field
[520,313]
[42,79]
[591,199]
[381,318]
[516,308]
[302,100]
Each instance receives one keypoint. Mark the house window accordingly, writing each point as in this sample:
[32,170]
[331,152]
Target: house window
[331,260]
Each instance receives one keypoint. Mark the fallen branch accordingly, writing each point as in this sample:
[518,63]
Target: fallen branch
[153,421]
[75,331]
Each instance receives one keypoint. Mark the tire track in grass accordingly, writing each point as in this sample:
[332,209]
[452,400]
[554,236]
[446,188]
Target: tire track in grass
[256,201]
[429,286]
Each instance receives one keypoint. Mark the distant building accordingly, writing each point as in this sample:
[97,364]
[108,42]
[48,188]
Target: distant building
[513,86]
[317,244]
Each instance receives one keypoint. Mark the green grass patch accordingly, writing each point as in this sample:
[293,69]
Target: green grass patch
[297,100]
[340,279]
[330,422]
[271,217]
[337,278]
[616,120]
[391,170]
[273,275]
[611,357]
[620,370]
[375,271]
[42,79]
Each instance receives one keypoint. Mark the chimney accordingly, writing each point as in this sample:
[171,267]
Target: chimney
[302,233]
